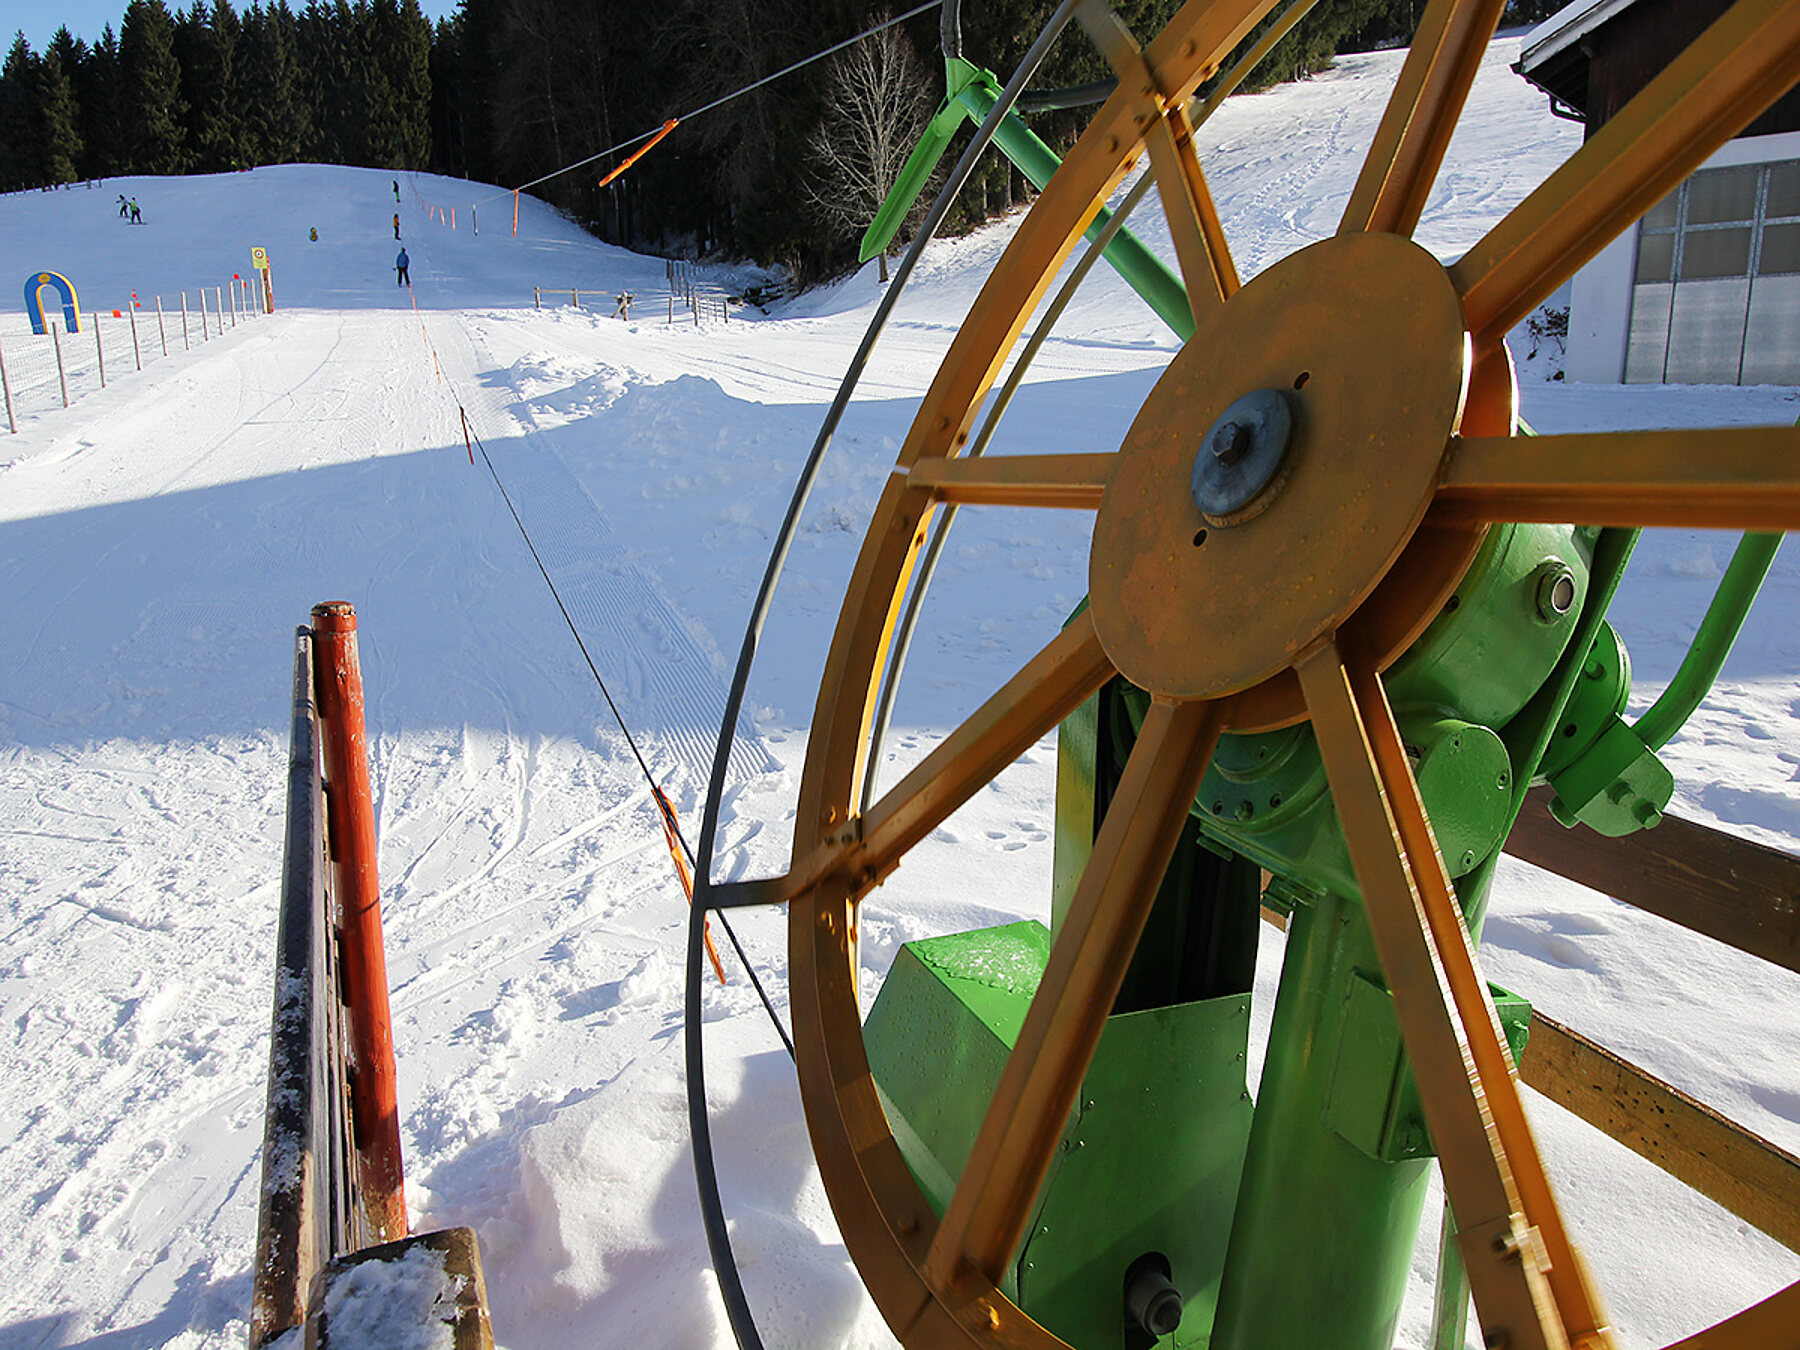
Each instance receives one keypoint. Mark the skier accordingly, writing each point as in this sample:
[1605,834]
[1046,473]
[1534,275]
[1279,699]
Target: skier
[124,207]
[400,265]
[396,192]
[396,224]
[136,219]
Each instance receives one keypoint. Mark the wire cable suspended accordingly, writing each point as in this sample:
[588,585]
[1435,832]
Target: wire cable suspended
[716,103]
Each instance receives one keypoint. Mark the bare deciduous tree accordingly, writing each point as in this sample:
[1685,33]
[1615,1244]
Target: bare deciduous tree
[877,109]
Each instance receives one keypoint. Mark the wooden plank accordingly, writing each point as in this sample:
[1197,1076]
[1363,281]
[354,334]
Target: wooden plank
[1746,1174]
[1741,893]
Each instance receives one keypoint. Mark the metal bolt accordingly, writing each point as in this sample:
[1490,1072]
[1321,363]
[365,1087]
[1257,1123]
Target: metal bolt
[1230,442]
[1555,591]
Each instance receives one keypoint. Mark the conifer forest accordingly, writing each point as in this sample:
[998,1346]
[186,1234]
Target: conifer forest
[509,91]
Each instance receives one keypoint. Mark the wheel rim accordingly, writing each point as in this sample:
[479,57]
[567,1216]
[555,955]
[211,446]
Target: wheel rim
[1452,469]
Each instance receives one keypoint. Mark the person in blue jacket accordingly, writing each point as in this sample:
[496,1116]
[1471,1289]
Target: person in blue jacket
[400,265]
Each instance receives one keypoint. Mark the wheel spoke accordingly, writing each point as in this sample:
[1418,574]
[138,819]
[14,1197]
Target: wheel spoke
[1200,248]
[987,1215]
[1740,478]
[1421,115]
[1526,1276]
[1199,238]
[1016,480]
[1709,93]
[1050,687]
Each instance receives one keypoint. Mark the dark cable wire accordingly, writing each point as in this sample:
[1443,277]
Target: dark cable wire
[718,1237]
[606,693]
[718,102]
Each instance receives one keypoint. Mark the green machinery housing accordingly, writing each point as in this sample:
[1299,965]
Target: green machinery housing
[1180,1209]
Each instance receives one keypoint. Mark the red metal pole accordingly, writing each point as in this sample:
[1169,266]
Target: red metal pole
[374,1113]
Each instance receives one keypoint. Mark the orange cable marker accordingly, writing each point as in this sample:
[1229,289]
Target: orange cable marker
[466,441]
[640,152]
[673,838]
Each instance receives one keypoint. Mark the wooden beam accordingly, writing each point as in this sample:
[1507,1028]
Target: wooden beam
[1741,1171]
[1741,893]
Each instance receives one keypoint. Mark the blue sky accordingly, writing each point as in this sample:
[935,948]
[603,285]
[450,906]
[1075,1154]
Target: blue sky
[85,18]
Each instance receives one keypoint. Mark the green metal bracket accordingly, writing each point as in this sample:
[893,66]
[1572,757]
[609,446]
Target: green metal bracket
[1604,775]
[1712,643]
[1149,1158]
[971,93]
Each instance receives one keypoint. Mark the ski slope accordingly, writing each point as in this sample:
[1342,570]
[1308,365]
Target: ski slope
[161,539]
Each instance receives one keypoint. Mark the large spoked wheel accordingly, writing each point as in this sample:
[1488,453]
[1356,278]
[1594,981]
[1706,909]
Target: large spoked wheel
[1249,576]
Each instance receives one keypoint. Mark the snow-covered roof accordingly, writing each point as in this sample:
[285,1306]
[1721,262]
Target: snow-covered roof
[1569,24]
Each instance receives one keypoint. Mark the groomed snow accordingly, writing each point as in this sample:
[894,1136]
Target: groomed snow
[160,541]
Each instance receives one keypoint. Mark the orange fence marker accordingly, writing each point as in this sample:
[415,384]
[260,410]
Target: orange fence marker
[515,214]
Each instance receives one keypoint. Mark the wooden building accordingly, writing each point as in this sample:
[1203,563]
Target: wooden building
[1706,288]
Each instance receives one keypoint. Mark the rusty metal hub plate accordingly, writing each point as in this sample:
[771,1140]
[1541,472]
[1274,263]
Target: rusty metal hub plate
[1365,334]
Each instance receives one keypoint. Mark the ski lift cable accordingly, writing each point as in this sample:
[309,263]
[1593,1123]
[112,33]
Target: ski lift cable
[706,1177]
[717,102]
[670,824]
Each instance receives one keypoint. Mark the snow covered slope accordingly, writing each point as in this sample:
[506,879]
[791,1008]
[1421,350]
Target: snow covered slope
[160,541]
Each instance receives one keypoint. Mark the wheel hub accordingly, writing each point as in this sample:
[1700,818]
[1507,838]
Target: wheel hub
[1211,572]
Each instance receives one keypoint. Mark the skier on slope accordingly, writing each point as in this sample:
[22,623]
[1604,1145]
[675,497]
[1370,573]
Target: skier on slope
[400,265]
[396,224]
[136,218]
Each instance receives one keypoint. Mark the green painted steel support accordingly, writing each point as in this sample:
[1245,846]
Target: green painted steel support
[1712,643]
[1323,1234]
[971,92]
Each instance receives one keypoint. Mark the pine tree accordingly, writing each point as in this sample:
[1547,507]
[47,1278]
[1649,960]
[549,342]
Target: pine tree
[19,164]
[220,135]
[58,133]
[97,90]
[276,117]
[151,86]
[411,79]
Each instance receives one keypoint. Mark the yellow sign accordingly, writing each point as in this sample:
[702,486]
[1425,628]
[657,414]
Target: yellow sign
[259,259]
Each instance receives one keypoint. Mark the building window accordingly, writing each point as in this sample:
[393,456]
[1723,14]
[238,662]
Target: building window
[1716,292]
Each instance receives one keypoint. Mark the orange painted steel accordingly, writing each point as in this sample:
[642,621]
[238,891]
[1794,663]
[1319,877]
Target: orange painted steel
[1415,131]
[1285,611]
[375,1117]
[640,152]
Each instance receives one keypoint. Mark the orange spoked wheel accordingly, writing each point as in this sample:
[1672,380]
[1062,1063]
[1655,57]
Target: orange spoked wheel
[1296,498]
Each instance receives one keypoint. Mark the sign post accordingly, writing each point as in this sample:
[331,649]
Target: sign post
[259,259]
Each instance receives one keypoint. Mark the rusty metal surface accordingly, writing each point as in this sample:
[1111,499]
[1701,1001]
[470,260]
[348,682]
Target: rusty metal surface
[1364,334]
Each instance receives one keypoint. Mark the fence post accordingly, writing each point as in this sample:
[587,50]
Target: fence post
[219,303]
[205,330]
[186,346]
[137,359]
[62,378]
[575,298]
[99,352]
[537,298]
[234,302]
[376,1117]
[161,332]
[6,387]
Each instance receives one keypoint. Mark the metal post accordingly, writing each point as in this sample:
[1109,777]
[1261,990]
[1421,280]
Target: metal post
[537,298]
[185,344]
[6,387]
[234,302]
[671,304]
[376,1117]
[62,378]
[99,352]
[161,331]
[219,304]
[137,358]
[575,298]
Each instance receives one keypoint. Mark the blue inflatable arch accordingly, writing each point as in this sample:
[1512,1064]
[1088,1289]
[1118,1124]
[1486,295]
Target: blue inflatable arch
[34,300]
